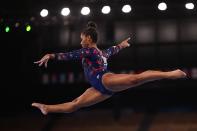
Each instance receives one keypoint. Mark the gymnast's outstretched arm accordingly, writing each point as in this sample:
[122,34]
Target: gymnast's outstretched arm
[72,55]
[115,49]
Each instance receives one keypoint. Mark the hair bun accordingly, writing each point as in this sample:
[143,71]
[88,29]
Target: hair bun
[92,24]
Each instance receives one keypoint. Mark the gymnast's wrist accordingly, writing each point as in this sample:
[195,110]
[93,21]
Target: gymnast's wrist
[120,46]
[52,56]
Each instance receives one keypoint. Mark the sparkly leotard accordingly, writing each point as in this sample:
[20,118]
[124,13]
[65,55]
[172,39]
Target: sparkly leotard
[94,64]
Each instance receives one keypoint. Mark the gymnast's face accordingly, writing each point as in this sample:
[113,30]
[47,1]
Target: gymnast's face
[86,41]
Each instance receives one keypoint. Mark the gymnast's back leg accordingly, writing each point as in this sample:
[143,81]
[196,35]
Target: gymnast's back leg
[120,82]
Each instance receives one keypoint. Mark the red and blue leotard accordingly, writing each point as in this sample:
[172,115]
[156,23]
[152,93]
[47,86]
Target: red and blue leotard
[94,64]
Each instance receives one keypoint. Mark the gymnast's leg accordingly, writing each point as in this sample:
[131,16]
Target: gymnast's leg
[90,97]
[120,82]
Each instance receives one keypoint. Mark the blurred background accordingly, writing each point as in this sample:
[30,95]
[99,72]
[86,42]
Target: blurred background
[163,37]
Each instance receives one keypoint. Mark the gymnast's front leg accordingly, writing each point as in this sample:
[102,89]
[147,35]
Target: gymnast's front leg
[90,97]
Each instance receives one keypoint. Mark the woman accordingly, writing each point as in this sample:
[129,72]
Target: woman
[104,83]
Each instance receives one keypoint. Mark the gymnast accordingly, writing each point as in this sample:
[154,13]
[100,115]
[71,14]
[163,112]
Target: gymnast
[103,82]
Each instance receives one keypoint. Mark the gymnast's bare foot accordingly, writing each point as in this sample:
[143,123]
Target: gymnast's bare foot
[177,74]
[42,107]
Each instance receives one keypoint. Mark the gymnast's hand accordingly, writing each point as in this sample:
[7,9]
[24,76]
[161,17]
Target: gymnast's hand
[125,43]
[44,60]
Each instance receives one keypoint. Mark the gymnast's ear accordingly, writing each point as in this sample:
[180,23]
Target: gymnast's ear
[89,38]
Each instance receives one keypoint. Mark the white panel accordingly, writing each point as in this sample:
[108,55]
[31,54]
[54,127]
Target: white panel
[101,29]
[123,30]
[76,39]
[167,31]
[189,30]
[145,32]
[64,36]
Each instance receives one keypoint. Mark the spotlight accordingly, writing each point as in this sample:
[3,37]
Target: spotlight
[85,11]
[44,12]
[7,29]
[162,6]
[126,8]
[189,6]
[106,9]
[28,28]
[65,11]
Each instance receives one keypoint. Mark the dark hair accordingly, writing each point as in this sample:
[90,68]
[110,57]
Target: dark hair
[91,31]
